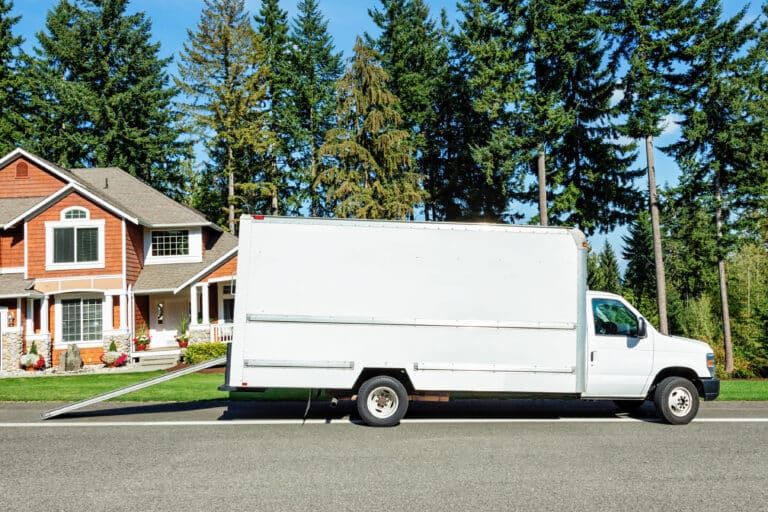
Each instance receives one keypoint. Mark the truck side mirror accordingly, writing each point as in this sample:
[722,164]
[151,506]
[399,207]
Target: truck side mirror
[642,329]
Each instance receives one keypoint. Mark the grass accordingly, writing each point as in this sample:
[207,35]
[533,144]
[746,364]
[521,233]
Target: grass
[188,388]
[203,386]
[750,390]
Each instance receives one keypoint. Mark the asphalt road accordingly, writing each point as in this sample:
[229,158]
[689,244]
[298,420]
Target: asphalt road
[481,455]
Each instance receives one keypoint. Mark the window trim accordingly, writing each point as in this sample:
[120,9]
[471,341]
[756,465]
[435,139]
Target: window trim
[50,226]
[59,319]
[194,240]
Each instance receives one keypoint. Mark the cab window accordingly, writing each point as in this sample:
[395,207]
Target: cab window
[612,318]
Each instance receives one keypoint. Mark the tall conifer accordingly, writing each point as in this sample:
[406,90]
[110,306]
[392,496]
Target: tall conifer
[369,171]
[102,94]
[13,124]
[221,74]
[315,67]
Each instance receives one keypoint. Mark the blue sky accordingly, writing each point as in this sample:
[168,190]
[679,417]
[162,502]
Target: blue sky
[346,20]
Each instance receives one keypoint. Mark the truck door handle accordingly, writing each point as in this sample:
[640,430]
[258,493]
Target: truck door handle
[593,356]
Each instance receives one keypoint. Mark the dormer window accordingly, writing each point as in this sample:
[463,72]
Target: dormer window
[170,243]
[75,241]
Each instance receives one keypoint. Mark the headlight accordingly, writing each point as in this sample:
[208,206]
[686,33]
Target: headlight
[711,364]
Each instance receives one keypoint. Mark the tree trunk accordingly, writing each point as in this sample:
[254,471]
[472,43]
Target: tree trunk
[658,257]
[542,176]
[275,201]
[727,341]
[231,191]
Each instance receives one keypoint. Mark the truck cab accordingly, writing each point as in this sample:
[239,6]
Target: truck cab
[629,361]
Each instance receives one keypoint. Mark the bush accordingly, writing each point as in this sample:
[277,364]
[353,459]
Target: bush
[200,352]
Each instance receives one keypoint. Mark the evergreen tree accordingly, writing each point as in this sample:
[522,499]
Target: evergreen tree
[315,67]
[640,273]
[475,179]
[221,74]
[715,150]
[646,32]
[603,271]
[369,159]
[591,181]
[13,124]
[102,94]
[270,188]
[415,54]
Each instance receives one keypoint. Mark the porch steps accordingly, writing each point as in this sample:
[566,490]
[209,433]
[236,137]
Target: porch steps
[157,359]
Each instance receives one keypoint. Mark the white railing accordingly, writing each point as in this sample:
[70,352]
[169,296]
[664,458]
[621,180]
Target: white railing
[222,333]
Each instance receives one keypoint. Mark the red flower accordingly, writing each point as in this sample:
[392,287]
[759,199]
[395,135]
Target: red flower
[40,364]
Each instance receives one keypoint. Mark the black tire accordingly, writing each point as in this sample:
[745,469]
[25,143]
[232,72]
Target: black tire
[629,405]
[677,400]
[382,401]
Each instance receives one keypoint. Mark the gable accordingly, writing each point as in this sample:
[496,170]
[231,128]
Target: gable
[23,178]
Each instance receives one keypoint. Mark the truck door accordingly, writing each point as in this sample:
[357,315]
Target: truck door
[619,356]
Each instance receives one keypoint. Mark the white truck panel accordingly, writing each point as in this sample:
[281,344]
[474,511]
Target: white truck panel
[459,307]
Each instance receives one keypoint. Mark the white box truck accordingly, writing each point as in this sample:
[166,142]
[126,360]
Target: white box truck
[396,311]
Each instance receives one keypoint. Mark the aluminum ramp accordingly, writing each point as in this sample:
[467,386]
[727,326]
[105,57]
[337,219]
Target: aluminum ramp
[133,387]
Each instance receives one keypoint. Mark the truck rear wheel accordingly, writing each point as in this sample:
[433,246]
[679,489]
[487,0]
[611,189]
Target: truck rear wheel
[677,400]
[382,401]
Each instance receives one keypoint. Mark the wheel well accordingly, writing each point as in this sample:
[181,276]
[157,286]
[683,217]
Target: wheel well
[396,373]
[686,373]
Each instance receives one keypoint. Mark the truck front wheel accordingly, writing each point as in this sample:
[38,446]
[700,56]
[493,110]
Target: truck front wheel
[677,400]
[382,401]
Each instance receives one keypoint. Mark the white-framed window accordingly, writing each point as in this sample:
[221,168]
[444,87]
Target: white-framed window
[81,320]
[173,245]
[74,242]
[170,242]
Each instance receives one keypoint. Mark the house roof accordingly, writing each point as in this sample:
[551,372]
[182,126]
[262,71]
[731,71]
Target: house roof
[12,207]
[14,285]
[132,195]
[127,195]
[168,278]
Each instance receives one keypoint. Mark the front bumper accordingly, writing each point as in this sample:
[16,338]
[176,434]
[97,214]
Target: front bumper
[710,388]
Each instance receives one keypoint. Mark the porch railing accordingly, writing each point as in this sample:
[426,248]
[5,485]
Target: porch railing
[222,333]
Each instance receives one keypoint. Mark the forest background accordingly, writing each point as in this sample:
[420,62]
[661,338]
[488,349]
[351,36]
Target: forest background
[550,112]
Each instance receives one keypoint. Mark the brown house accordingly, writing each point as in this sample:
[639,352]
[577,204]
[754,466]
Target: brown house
[88,256]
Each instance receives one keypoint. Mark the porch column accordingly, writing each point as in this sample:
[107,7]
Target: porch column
[193,304]
[44,315]
[206,304]
[30,320]
[123,311]
[108,320]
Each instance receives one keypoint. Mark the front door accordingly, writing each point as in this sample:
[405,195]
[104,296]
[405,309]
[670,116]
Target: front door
[165,312]
[619,359]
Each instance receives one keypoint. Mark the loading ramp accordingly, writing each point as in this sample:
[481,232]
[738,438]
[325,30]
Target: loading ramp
[133,387]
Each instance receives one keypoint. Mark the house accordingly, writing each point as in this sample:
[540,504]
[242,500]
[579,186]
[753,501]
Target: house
[88,256]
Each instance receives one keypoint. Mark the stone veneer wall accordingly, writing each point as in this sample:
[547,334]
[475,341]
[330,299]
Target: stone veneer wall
[12,344]
[43,348]
[199,336]
[122,342]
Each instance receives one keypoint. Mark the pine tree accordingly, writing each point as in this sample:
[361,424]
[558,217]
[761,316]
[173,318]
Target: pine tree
[603,272]
[591,183]
[270,188]
[103,96]
[315,67]
[414,52]
[368,158]
[13,124]
[646,34]
[482,172]
[220,72]
[640,274]
[715,150]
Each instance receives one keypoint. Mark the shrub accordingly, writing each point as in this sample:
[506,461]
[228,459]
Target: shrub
[199,352]
[112,346]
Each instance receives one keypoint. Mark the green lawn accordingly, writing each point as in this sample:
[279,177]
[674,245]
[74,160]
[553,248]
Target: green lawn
[197,386]
[203,386]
